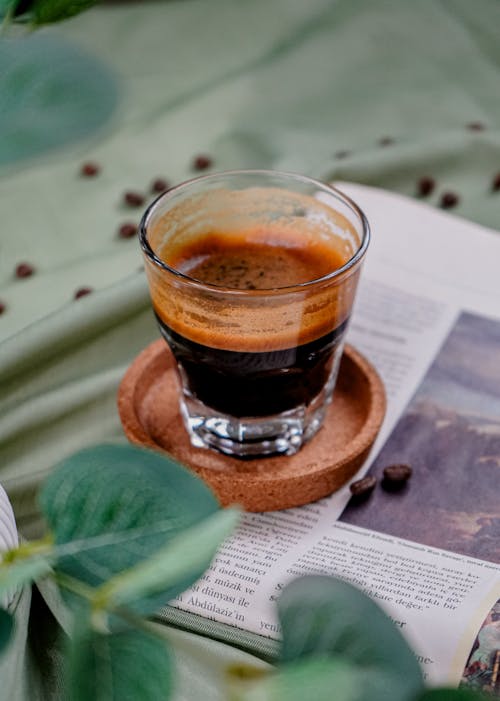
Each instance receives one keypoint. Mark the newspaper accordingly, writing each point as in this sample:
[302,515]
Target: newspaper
[427,316]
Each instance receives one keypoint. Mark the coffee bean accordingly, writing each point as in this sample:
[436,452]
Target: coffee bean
[24,270]
[386,141]
[127,230]
[202,162]
[495,184]
[363,486]
[399,473]
[160,185]
[449,200]
[89,170]
[82,292]
[3,307]
[476,126]
[343,153]
[426,185]
[133,199]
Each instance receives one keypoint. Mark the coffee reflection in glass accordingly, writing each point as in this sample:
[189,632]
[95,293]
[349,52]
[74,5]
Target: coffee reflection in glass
[252,276]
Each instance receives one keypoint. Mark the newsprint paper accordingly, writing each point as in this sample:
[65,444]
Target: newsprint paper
[427,315]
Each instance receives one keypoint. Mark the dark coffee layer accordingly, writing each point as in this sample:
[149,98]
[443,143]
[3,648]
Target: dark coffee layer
[255,383]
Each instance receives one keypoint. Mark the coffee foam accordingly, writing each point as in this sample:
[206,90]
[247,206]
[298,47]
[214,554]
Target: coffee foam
[248,320]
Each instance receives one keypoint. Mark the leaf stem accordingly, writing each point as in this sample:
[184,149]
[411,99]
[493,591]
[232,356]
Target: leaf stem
[43,546]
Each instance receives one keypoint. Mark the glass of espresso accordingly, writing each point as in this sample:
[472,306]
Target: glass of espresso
[252,276]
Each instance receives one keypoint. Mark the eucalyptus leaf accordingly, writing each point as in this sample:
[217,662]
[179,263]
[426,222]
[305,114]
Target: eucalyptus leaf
[6,626]
[113,506]
[21,572]
[131,665]
[173,568]
[461,694]
[320,679]
[325,616]
[51,94]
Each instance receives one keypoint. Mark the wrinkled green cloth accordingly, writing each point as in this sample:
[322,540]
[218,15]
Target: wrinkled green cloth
[381,93]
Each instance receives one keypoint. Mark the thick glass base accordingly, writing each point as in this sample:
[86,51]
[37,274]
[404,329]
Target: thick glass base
[248,437]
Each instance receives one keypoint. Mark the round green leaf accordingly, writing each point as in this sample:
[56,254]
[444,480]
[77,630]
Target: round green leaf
[51,94]
[322,616]
[116,667]
[172,568]
[112,506]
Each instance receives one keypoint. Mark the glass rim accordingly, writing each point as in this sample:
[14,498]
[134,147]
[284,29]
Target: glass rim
[187,279]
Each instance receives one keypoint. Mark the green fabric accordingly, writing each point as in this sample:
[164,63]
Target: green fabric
[269,83]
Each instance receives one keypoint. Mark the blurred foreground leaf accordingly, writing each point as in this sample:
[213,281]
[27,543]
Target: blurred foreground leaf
[173,568]
[322,617]
[113,506]
[51,94]
[118,666]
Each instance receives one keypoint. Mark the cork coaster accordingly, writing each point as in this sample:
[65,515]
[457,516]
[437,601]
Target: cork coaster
[149,412]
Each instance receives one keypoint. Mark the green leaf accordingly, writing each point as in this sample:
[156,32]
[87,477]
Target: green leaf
[113,506]
[323,679]
[48,11]
[322,616]
[6,627]
[173,568]
[130,665]
[461,694]
[52,94]
[18,573]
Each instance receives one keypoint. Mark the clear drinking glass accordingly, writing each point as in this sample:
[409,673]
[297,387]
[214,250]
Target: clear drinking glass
[252,277]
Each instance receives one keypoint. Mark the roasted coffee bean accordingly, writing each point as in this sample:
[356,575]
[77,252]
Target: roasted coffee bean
[202,162]
[426,185]
[495,184]
[386,141]
[127,230]
[3,307]
[82,292]
[363,486]
[397,473]
[476,126]
[89,170]
[24,270]
[133,199]
[160,185]
[449,200]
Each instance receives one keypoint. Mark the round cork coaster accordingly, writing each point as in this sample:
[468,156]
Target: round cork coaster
[149,412]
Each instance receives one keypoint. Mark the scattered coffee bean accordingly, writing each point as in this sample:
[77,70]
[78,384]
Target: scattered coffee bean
[476,126]
[3,307]
[82,292]
[386,141]
[24,270]
[426,186]
[397,473]
[495,185]
[133,199]
[343,153]
[364,486]
[202,162]
[89,170]
[160,185]
[127,230]
[449,200]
